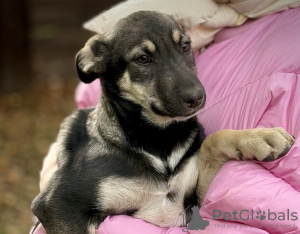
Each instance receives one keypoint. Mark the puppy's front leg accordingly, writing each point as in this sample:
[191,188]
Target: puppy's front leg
[64,206]
[262,144]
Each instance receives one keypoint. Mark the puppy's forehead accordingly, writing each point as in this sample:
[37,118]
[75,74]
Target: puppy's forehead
[146,25]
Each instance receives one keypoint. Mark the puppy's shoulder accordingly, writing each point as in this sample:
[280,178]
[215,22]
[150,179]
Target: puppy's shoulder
[76,123]
[73,134]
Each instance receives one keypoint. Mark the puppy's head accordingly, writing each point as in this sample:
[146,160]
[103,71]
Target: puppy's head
[147,60]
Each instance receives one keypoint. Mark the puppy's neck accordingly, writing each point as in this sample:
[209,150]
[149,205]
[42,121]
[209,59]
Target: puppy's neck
[103,123]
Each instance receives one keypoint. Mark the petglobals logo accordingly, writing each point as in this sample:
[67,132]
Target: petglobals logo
[198,223]
[255,215]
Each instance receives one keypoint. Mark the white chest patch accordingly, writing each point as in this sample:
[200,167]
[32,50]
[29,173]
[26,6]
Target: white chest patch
[176,156]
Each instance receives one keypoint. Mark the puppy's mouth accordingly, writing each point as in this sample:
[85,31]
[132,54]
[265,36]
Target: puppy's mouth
[177,116]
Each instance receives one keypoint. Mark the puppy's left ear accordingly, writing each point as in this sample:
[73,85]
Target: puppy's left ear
[91,59]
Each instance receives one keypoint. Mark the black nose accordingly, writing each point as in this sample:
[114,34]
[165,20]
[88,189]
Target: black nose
[192,97]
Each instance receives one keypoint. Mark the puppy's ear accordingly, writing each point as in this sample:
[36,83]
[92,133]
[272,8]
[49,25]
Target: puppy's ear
[91,59]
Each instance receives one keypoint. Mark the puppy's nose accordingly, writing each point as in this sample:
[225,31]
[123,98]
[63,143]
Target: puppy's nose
[192,97]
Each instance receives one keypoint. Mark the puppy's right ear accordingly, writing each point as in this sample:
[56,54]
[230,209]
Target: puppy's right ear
[91,59]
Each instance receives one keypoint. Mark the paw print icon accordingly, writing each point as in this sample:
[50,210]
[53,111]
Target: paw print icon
[261,215]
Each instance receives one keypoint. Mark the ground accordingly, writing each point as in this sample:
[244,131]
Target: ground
[29,123]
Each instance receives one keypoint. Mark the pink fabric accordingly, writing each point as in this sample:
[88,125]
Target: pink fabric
[87,95]
[251,80]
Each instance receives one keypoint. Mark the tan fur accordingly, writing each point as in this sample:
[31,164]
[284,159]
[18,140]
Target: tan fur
[135,92]
[149,45]
[157,163]
[87,64]
[49,165]
[143,95]
[138,50]
[176,35]
[224,145]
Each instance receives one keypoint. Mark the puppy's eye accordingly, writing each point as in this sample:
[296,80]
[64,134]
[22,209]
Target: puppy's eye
[144,59]
[186,46]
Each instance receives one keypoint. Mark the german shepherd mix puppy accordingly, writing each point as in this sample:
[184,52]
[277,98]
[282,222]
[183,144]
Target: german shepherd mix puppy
[137,152]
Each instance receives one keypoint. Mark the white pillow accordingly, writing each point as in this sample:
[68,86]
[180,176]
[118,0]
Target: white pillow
[201,18]
[259,8]
[189,14]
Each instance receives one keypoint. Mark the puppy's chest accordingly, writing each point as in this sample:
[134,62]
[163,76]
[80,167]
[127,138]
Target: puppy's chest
[167,165]
[158,202]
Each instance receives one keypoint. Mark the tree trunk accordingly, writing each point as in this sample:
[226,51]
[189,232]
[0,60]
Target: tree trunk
[15,67]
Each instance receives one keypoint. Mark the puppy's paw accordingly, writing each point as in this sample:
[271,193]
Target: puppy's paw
[264,144]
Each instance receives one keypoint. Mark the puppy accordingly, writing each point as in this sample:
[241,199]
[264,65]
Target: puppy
[137,152]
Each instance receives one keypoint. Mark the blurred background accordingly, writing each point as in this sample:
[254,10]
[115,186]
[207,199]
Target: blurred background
[38,43]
